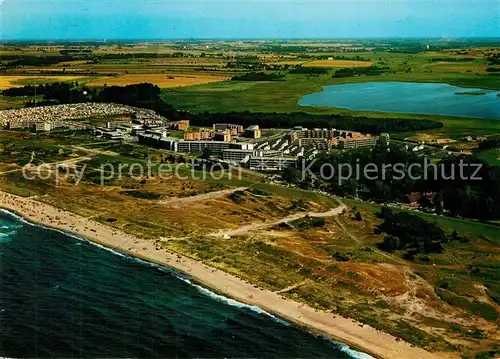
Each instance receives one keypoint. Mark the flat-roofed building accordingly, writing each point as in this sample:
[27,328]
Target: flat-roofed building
[271,153]
[323,133]
[113,135]
[198,136]
[243,145]
[384,139]
[168,143]
[233,129]
[148,139]
[349,143]
[236,154]
[222,136]
[261,163]
[319,143]
[180,125]
[253,132]
[35,125]
[198,146]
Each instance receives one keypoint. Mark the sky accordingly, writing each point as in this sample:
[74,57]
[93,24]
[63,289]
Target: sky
[245,19]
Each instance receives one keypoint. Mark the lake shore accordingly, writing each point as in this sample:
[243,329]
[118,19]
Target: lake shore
[348,331]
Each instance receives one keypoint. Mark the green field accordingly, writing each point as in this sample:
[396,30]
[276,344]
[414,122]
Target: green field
[491,156]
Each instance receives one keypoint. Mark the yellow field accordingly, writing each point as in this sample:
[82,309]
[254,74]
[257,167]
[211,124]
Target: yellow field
[179,61]
[289,62]
[337,63]
[19,81]
[161,80]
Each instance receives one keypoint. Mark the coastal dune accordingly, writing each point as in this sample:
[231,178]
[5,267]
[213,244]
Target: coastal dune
[345,330]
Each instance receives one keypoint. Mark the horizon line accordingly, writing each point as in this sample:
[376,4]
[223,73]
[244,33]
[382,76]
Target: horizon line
[104,40]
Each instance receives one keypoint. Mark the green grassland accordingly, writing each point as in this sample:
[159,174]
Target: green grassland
[7,102]
[491,156]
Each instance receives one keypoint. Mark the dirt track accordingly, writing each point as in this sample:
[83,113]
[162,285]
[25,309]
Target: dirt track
[257,226]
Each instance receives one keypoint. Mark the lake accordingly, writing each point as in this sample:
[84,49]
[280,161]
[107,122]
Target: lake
[408,97]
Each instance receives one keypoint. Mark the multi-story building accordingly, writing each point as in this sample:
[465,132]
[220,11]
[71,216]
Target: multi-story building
[114,135]
[233,129]
[198,146]
[158,141]
[198,136]
[322,133]
[222,136]
[180,125]
[323,139]
[384,139]
[236,154]
[314,142]
[253,132]
[349,143]
[35,125]
[168,143]
[260,163]
[271,153]
[149,139]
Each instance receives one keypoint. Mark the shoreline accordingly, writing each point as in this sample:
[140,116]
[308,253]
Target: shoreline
[357,336]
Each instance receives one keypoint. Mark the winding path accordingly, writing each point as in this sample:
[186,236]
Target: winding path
[294,217]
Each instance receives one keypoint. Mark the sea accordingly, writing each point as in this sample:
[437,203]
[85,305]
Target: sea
[63,297]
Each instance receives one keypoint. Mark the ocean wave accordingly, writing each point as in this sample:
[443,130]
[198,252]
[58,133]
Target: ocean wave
[234,303]
[19,218]
[353,353]
[7,234]
[231,302]
[214,296]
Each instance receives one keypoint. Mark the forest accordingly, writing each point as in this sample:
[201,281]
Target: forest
[369,71]
[460,186]
[406,231]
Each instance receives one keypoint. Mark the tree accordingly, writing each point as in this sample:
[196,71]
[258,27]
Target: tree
[290,175]
[413,232]
[391,243]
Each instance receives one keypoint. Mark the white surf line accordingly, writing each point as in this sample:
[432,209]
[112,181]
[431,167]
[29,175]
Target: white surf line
[192,282]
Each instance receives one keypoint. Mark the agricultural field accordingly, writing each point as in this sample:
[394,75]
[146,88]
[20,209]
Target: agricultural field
[19,81]
[161,80]
[194,75]
[337,63]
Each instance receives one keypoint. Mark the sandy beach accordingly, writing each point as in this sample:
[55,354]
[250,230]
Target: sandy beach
[345,330]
